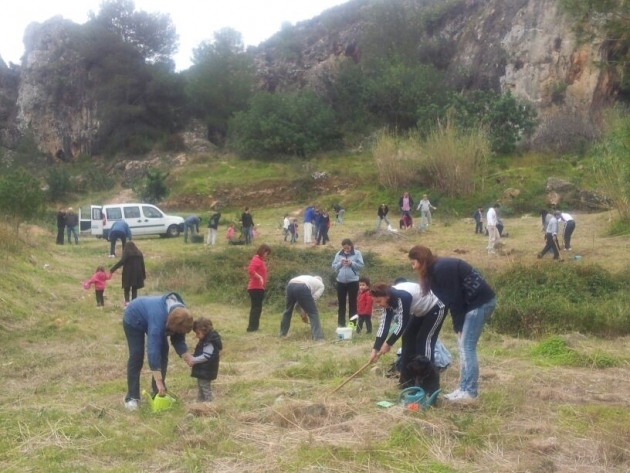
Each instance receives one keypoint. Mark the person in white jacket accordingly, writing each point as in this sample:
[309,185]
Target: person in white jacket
[303,291]
[491,225]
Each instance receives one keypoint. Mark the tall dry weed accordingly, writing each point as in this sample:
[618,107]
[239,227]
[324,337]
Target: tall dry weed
[449,159]
[452,160]
[395,159]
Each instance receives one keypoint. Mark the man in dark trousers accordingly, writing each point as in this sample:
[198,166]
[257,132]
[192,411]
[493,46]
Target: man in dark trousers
[61,226]
[248,225]
[551,237]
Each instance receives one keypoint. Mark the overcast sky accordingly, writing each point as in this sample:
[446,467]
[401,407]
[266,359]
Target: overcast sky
[195,20]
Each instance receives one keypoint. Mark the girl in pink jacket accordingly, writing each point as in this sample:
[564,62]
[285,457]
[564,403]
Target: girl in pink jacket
[99,280]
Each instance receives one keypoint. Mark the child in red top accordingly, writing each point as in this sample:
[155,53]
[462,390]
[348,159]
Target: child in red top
[99,280]
[364,305]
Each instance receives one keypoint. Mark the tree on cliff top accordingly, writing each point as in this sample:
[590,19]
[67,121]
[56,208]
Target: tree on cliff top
[152,34]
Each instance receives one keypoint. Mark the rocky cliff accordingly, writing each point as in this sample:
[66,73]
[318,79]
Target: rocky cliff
[525,46]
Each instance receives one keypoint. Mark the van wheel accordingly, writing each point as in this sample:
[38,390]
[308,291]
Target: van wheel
[173,231]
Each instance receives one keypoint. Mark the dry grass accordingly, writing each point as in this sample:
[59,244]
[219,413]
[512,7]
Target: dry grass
[63,371]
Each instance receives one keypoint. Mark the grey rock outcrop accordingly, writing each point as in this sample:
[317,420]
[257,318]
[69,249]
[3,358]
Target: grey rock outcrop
[54,105]
[525,46]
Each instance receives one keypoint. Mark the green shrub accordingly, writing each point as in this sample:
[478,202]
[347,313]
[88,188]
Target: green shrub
[539,300]
[556,351]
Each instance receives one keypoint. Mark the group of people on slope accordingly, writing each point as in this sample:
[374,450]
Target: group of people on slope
[67,222]
[416,311]
[316,223]
[406,203]
[192,228]
[551,227]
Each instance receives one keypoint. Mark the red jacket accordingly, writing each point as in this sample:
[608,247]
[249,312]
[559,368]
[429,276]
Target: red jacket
[257,266]
[99,280]
[365,303]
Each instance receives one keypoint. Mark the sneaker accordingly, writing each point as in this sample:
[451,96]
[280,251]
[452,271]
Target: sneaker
[461,396]
[112,256]
[126,304]
[454,393]
[131,405]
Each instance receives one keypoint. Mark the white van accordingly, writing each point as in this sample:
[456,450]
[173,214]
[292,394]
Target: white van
[143,219]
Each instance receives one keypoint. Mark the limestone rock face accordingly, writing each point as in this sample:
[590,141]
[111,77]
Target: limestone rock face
[524,46]
[54,105]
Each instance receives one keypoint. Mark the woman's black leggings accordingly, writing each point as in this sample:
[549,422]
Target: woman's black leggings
[134,293]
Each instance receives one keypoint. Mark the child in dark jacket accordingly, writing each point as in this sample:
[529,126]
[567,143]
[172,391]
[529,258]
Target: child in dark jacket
[364,305]
[99,280]
[205,361]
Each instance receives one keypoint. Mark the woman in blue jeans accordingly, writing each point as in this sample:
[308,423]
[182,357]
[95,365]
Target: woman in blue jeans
[151,320]
[471,301]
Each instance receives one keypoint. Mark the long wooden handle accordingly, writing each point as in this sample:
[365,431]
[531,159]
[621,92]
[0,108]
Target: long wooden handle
[351,377]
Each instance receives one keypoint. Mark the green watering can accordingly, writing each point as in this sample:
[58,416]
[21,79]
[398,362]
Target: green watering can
[160,403]
[416,395]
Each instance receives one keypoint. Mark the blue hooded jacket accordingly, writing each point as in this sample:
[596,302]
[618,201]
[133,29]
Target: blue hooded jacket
[121,226]
[149,314]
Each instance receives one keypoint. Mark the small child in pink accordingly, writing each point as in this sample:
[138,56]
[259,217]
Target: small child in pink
[99,280]
[229,235]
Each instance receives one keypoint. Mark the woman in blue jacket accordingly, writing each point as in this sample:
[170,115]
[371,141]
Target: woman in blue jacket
[471,301]
[156,317]
[347,263]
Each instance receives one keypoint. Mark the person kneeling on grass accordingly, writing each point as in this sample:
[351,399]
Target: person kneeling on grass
[205,360]
[156,317]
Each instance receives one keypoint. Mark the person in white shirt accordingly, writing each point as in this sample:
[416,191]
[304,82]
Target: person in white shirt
[551,237]
[491,225]
[285,226]
[569,227]
[425,210]
[303,291]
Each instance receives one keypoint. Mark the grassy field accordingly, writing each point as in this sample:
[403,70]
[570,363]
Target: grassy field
[62,363]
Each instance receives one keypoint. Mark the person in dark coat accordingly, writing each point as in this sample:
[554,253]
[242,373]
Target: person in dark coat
[205,360]
[133,270]
[61,226]
[248,225]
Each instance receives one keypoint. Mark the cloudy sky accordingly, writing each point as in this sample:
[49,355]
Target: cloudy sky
[195,20]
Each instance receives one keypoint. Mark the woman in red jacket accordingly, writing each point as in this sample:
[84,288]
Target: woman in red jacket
[257,271]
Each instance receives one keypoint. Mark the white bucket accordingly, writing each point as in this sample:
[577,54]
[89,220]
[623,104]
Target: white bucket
[344,333]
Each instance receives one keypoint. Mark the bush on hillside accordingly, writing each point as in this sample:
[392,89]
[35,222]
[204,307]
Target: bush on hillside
[548,299]
[284,124]
[222,277]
